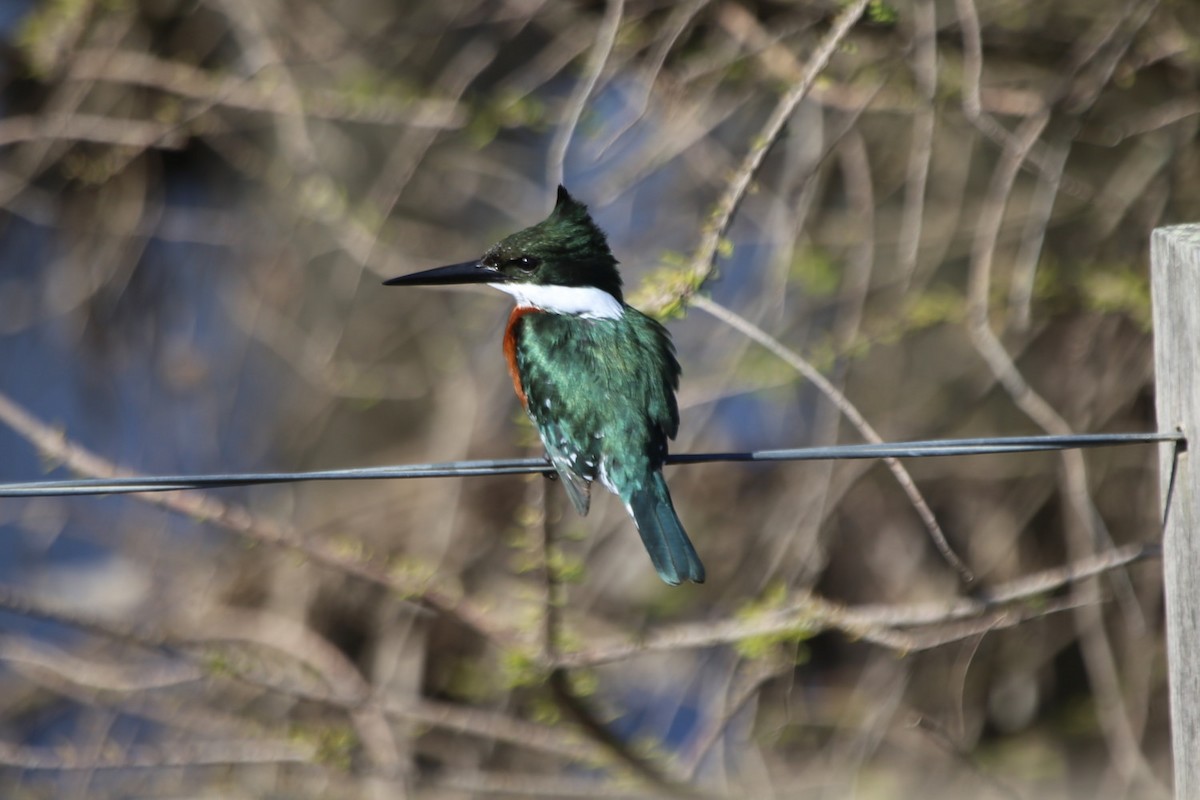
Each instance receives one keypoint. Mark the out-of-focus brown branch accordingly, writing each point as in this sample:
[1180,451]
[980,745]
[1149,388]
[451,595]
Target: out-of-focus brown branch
[577,707]
[899,627]
[972,105]
[312,360]
[1143,121]
[1084,528]
[582,712]
[1024,273]
[852,414]
[346,689]
[606,34]
[305,646]
[112,676]
[534,785]
[750,677]
[703,261]
[193,83]
[681,18]
[239,520]
[494,726]
[192,754]
[920,152]
[91,128]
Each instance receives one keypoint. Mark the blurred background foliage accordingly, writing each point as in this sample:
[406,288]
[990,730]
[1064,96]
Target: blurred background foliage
[198,201]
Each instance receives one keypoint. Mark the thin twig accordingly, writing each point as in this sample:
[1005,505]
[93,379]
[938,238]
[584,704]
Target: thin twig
[680,18]
[891,626]
[305,646]
[556,591]
[920,153]
[478,784]
[1024,271]
[192,754]
[972,104]
[91,128]
[606,35]
[346,690]
[257,94]
[796,361]
[946,741]
[25,653]
[1084,527]
[703,261]
[574,705]
[751,675]
[583,713]
[239,520]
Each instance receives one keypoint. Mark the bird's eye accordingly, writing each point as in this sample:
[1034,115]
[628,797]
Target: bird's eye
[525,263]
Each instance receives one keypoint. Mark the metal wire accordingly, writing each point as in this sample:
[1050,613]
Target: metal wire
[518,466]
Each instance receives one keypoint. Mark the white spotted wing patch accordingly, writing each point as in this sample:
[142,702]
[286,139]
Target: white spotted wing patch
[577,467]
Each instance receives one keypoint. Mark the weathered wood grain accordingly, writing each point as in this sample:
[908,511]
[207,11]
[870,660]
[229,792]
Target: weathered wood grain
[1175,268]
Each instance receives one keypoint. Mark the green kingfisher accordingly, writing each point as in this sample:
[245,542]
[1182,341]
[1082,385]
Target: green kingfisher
[596,376]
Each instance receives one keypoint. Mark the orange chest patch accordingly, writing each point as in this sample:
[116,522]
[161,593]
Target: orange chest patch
[510,349]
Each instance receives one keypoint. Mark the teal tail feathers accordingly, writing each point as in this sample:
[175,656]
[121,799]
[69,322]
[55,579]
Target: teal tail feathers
[668,545]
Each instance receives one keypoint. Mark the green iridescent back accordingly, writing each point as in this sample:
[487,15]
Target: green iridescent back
[601,393]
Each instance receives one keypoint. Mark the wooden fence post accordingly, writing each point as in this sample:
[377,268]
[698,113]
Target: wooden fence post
[1175,278]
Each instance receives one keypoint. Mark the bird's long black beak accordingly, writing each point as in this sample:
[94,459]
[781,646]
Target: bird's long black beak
[466,272]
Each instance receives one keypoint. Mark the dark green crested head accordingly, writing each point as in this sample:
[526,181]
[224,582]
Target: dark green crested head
[565,249]
[561,265]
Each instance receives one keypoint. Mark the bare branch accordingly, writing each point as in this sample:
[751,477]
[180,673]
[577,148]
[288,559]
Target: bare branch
[889,626]
[91,128]
[194,754]
[239,520]
[258,94]
[606,35]
[852,415]
[704,259]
